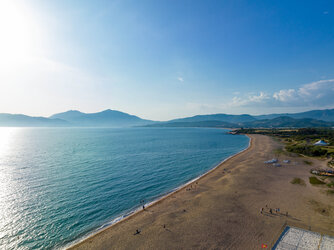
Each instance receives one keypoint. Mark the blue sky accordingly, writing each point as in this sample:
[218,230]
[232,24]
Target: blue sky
[166,59]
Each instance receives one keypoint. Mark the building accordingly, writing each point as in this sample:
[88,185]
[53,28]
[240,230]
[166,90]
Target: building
[320,143]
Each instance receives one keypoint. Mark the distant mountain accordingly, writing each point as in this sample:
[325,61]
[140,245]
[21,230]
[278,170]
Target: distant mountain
[279,122]
[114,118]
[13,120]
[217,117]
[207,124]
[287,122]
[106,118]
[314,118]
[324,115]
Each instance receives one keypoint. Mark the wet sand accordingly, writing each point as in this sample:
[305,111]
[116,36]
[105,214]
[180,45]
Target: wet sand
[222,209]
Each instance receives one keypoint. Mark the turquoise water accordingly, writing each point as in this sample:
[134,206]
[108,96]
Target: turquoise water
[61,184]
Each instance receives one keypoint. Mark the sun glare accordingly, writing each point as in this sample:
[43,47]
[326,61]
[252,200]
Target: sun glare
[6,135]
[16,32]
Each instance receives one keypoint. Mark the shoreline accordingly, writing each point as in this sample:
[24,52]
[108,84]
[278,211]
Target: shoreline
[232,206]
[156,201]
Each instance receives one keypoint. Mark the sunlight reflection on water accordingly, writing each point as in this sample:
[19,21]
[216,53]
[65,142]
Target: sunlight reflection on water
[6,136]
[58,185]
[6,143]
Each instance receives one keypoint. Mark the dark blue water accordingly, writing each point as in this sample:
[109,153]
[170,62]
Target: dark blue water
[60,184]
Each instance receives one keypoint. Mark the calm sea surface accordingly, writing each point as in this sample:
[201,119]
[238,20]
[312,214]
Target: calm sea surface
[58,185]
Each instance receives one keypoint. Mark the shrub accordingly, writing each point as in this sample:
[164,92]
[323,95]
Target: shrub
[330,184]
[298,181]
[330,191]
[316,181]
[307,150]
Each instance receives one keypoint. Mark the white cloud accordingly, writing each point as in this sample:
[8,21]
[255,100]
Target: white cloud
[250,99]
[180,79]
[323,86]
[259,98]
[315,95]
[319,94]
[284,95]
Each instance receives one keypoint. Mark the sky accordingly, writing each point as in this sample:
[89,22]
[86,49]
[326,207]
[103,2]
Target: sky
[166,59]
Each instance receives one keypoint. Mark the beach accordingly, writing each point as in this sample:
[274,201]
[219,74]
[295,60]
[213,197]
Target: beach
[222,209]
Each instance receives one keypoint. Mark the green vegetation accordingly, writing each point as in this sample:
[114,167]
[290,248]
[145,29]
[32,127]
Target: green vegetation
[298,181]
[331,163]
[315,181]
[330,184]
[330,191]
[308,162]
[300,141]
[278,151]
[306,150]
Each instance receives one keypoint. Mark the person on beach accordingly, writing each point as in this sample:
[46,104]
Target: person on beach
[261,210]
[137,231]
[143,207]
[271,211]
[287,214]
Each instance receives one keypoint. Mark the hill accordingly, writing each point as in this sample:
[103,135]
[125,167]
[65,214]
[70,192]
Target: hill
[279,122]
[106,118]
[114,118]
[17,120]
[207,124]
[324,115]
[217,117]
[287,122]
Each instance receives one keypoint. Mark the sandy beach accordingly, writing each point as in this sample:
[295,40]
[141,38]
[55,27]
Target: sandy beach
[221,210]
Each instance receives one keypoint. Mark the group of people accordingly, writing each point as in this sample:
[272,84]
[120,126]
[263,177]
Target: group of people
[191,186]
[276,210]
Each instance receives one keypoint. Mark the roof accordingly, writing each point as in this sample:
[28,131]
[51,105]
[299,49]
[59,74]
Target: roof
[297,238]
[320,143]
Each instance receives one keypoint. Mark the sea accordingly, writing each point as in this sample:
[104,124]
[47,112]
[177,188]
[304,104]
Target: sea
[60,185]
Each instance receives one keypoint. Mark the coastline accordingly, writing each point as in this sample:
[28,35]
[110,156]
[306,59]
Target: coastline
[221,209]
[74,244]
